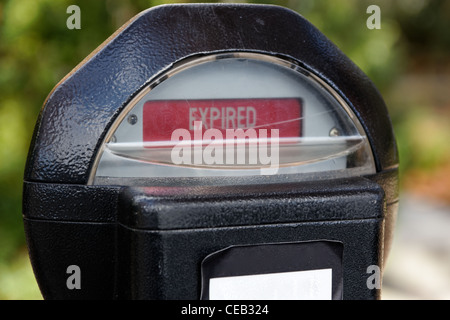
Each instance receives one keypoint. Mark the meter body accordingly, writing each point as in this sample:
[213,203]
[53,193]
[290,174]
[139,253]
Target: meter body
[212,152]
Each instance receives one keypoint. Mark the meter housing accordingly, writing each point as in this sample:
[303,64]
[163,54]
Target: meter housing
[229,131]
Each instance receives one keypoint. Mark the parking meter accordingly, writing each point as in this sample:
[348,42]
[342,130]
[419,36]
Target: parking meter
[212,151]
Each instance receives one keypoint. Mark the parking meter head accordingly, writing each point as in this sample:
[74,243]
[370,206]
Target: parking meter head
[164,147]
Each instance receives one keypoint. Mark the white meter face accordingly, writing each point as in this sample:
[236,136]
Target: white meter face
[235,115]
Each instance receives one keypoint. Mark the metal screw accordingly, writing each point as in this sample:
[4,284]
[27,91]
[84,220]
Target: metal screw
[334,132]
[132,119]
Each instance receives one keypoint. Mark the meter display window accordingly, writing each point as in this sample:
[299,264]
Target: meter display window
[235,115]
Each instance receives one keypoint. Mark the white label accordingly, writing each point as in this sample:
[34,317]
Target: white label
[297,285]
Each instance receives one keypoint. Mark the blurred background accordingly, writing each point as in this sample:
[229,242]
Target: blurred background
[408,59]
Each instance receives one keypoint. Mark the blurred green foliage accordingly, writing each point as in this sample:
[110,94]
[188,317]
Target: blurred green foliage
[37,50]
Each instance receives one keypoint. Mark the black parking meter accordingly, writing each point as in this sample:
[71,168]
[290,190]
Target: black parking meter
[212,152]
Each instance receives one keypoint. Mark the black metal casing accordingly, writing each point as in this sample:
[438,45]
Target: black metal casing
[148,242]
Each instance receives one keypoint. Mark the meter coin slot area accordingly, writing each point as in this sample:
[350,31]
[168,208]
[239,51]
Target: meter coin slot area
[169,165]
